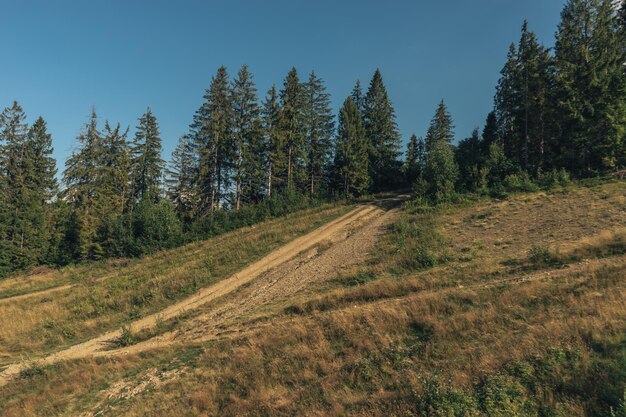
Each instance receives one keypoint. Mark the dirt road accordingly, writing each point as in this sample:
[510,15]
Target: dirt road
[284,262]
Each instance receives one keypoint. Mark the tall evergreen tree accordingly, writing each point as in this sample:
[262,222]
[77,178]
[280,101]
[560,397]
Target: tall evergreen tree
[45,185]
[24,229]
[250,146]
[589,58]
[522,103]
[350,165]
[490,132]
[274,139]
[535,83]
[97,186]
[146,163]
[507,103]
[469,155]
[319,127]
[441,170]
[382,134]
[415,154]
[293,128]
[441,128]
[112,179]
[180,178]
[358,97]
[212,130]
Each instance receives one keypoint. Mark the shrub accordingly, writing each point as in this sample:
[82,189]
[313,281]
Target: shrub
[553,179]
[541,256]
[520,182]
[126,338]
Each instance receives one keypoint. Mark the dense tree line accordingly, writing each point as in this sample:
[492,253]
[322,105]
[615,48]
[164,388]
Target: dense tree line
[556,112]
[241,161]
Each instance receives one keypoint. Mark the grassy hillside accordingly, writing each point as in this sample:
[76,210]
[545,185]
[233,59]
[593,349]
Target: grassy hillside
[94,298]
[495,308]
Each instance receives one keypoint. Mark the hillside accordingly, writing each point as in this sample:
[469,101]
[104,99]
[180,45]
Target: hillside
[491,307]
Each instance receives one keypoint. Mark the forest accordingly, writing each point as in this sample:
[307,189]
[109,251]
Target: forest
[559,114]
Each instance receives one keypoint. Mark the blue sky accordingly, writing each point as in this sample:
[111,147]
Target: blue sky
[60,58]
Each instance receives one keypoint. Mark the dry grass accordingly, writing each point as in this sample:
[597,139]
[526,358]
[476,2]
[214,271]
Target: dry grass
[48,322]
[470,333]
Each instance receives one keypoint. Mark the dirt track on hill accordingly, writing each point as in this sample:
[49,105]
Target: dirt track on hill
[315,256]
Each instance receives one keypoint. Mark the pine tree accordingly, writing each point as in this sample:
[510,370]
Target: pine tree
[490,132]
[589,58]
[534,70]
[44,164]
[506,103]
[112,179]
[522,103]
[414,164]
[45,186]
[382,134]
[358,97]
[274,139]
[249,143]
[293,128]
[180,178]
[350,165]
[469,157]
[319,127]
[441,128]
[81,177]
[146,163]
[441,170]
[24,234]
[212,131]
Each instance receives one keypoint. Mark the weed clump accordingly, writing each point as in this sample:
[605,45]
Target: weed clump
[540,256]
[126,338]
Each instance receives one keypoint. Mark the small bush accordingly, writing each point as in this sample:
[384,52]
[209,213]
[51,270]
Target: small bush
[520,182]
[541,256]
[32,370]
[554,179]
[126,338]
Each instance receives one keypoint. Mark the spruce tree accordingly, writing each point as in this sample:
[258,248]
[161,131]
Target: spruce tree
[351,161]
[212,131]
[507,103]
[382,134]
[589,58]
[414,164]
[83,178]
[180,178]
[146,163]
[319,127]
[249,142]
[441,128]
[358,97]
[274,139]
[441,170]
[24,234]
[490,132]
[112,179]
[293,128]
[469,157]
[45,186]
[534,70]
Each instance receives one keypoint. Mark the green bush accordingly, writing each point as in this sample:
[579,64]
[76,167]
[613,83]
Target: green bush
[520,182]
[554,179]
[540,255]
[126,338]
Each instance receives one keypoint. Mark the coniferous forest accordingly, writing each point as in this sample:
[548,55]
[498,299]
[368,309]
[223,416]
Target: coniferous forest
[558,113]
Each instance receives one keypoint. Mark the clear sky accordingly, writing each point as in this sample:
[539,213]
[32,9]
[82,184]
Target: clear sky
[60,58]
